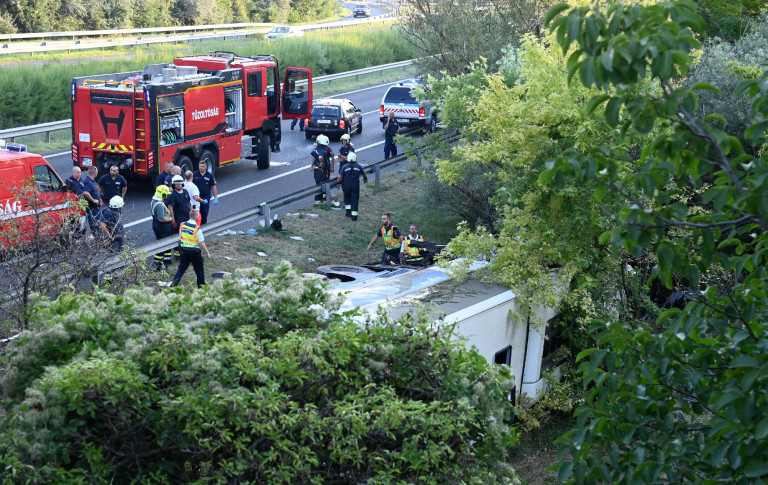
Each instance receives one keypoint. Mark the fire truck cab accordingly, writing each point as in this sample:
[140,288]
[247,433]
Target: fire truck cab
[34,203]
[219,108]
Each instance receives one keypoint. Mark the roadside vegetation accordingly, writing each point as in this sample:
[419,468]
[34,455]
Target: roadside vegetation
[606,142]
[38,94]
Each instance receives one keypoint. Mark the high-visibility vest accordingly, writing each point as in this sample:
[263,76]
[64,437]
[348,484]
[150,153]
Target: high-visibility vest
[189,235]
[413,252]
[389,239]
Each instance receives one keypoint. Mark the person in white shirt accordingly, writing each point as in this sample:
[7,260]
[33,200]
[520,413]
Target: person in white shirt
[194,192]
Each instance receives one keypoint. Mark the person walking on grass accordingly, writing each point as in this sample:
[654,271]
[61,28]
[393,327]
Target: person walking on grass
[191,241]
[392,238]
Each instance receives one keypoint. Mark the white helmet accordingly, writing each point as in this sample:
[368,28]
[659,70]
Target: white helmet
[116,202]
[322,140]
[345,136]
[351,157]
[177,179]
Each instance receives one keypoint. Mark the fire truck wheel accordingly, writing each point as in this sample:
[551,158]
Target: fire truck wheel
[210,158]
[264,151]
[185,163]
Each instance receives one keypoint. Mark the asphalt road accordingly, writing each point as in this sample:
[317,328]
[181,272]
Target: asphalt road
[241,185]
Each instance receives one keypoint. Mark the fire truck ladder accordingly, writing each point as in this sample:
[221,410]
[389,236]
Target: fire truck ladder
[140,162]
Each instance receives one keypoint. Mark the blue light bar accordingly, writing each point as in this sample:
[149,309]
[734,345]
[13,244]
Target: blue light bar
[16,147]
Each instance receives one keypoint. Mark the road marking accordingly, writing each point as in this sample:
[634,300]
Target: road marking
[60,154]
[260,182]
[336,95]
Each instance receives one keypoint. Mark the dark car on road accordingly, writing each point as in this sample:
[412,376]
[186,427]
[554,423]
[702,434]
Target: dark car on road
[361,10]
[334,117]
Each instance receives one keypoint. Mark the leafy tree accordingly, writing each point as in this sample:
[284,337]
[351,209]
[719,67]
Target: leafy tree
[683,401]
[725,65]
[247,381]
[454,34]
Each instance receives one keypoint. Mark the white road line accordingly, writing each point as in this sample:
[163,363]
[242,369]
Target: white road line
[260,182]
[60,153]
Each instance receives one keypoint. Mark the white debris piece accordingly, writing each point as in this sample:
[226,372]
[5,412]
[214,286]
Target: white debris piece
[227,258]
[297,238]
[263,255]
[261,223]
[310,259]
[336,203]
[226,233]
[312,215]
[293,214]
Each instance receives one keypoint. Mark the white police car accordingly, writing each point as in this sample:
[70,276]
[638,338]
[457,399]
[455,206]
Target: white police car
[408,111]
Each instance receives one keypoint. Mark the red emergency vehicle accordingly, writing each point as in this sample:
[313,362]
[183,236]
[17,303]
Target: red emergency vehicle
[218,107]
[34,203]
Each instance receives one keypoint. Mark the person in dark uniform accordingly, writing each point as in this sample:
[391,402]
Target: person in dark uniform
[91,194]
[191,239]
[206,184]
[112,184]
[112,219]
[178,202]
[322,164]
[298,97]
[74,183]
[391,128]
[161,224]
[164,177]
[346,148]
[349,178]
[392,237]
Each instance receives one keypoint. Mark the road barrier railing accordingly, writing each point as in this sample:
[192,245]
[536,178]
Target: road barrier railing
[263,211]
[47,128]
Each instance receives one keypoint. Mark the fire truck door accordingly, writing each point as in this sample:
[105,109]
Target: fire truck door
[297,93]
[255,100]
[112,120]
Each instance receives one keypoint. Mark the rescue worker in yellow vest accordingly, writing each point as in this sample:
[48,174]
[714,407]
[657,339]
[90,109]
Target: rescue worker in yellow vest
[411,254]
[191,240]
[392,238]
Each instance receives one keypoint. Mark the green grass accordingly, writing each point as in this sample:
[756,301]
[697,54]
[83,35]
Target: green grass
[330,238]
[537,451]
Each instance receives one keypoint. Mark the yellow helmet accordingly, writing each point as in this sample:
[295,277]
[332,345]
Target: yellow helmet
[162,191]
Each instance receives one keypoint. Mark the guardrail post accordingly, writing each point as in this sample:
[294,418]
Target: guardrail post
[267,215]
[376,175]
[48,136]
[327,192]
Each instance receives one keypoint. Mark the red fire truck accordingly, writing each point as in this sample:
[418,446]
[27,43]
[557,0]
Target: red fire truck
[218,107]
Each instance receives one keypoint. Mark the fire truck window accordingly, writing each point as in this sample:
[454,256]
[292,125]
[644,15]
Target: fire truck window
[270,92]
[46,180]
[254,84]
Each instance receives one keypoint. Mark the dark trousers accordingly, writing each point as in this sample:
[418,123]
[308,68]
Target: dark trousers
[389,147]
[320,178]
[204,211]
[299,121]
[196,258]
[394,255]
[351,200]
[161,230]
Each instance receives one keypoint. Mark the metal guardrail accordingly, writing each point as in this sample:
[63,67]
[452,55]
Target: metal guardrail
[47,128]
[264,210]
[197,34]
[149,30]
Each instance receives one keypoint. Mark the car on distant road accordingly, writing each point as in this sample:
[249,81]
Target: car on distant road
[283,31]
[361,10]
[334,117]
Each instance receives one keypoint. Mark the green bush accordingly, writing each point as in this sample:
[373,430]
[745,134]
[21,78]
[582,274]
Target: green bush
[39,94]
[256,382]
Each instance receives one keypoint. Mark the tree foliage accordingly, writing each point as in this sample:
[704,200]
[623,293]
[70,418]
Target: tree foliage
[684,401]
[247,381]
[452,35]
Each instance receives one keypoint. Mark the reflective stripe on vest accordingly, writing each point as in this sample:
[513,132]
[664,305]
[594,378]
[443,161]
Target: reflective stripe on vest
[189,236]
[389,240]
[413,252]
